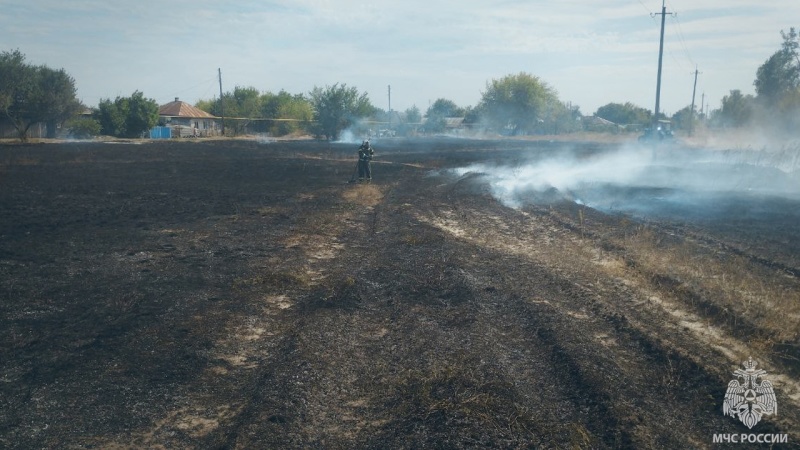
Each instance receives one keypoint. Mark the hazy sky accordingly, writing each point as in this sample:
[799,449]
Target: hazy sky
[592,52]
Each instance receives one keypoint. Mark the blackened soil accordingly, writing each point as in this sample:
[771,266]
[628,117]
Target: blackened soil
[232,294]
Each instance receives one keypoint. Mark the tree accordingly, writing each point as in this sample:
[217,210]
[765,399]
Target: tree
[34,94]
[127,117]
[337,107]
[560,118]
[413,115]
[243,103]
[58,98]
[142,115]
[111,117]
[737,109]
[437,113]
[238,106]
[516,102]
[624,114]
[83,128]
[780,74]
[293,112]
[685,119]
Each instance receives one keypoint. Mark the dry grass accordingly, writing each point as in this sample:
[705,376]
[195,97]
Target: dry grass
[768,299]
[363,194]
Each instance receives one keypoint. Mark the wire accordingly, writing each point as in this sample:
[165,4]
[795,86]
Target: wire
[677,61]
[645,7]
[202,83]
[682,39]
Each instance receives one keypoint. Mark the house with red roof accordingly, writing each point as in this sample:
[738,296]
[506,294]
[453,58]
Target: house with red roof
[186,120]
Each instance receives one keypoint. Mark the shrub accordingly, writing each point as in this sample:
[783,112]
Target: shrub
[83,128]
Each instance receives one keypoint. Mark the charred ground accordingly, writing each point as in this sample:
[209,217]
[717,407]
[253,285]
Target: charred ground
[243,295]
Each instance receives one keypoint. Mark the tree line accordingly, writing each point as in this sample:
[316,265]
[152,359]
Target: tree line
[775,105]
[515,104]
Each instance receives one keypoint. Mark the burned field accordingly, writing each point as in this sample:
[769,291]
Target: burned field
[236,294]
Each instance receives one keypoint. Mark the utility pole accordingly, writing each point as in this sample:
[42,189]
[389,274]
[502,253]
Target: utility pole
[691,114]
[390,106]
[660,59]
[221,103]
[702,105]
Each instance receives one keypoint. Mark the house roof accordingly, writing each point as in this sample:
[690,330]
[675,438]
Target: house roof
[183,109]
[598,120]
[453,122]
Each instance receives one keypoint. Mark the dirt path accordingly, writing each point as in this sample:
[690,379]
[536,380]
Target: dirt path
[265,303]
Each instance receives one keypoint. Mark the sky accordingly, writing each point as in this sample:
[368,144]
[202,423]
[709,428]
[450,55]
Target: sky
[591,52]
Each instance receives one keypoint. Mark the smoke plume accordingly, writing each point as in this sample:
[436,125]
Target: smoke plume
[646,180]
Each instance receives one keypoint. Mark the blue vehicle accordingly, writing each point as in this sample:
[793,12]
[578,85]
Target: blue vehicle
[662,132]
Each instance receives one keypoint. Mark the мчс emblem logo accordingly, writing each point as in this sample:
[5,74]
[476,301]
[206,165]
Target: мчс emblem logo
[751,399]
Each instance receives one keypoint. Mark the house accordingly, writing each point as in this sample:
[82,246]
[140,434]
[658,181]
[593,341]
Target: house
[598,124]
[453,124]
[186,120]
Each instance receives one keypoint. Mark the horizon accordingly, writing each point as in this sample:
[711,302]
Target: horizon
[591,55]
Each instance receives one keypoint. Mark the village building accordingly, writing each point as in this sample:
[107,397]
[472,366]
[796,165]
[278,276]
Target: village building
[185,120]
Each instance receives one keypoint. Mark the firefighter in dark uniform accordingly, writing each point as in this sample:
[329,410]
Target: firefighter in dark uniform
[365,153]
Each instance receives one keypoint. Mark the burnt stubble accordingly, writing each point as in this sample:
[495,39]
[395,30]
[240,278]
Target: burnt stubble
[236,294]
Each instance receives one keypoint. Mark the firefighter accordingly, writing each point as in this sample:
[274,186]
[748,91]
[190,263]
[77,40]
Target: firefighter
[365,153]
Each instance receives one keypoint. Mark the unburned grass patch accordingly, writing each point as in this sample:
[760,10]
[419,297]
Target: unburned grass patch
[723,285]
[363,194]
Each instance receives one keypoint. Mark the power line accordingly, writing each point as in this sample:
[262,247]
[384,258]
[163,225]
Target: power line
[682,39]
[647,9]
[678,62]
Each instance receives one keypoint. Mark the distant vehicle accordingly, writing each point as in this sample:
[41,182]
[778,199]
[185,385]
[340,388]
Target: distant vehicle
[662,132]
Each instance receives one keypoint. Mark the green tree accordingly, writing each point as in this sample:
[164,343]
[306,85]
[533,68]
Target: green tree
[409,121]
[83,128]
[413,115]
[207,106]
[516,102]
[684,119]
[292,113]
[437,113]
[110,117]
[780,74]
[736,110]
[58,101]
[127,117]
[473,116]
[624,114]
[559,118]
[34,94]
[337,107]
[243,104]
[142,115]
[237,107]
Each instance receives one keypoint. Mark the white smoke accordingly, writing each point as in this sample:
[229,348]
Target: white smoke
[265,138]
[640,178]
[349,136]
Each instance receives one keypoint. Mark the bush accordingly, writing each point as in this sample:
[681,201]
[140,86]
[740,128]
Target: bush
[83,128]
